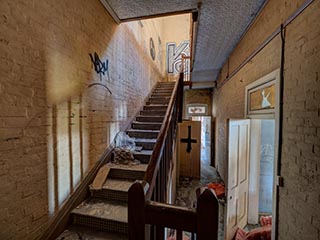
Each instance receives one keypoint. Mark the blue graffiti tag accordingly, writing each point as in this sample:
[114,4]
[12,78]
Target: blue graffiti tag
[101,68]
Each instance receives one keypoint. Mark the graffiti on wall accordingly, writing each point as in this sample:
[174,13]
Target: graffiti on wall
[174,54]
[101,68]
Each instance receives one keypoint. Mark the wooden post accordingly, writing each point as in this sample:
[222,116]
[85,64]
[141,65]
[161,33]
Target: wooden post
[136,212]
[180,97]
[207,216]
[179,235]
[159,233]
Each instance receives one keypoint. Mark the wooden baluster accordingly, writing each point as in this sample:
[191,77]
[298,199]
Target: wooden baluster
[136,212]
[180,94]
[207,216]
[158,184]
[162,180]
[193,236]
[160,233]
[179,235]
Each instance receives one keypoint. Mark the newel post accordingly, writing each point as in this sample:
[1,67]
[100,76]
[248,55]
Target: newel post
[207,216]
[136,212]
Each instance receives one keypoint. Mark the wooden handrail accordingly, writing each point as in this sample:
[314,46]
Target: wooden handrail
[166,215]
[203,220]
[154,163]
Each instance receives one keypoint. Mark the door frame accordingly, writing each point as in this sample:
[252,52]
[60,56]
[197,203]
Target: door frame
[271,78]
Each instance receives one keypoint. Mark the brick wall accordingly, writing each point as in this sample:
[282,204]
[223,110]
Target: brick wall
[53,128]
[300,196]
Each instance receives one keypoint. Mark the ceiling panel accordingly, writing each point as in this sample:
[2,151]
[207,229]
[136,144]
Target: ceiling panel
[221,24]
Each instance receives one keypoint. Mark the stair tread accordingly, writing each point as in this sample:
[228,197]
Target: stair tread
[157,105]
[160,97]
[122,185]
[150,116]
[138,167]
[146,123]
[149,140]
[142,130]
[79,233]
[109,210]
[144,152]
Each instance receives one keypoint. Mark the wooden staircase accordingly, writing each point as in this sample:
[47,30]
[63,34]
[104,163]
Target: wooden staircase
[105,214]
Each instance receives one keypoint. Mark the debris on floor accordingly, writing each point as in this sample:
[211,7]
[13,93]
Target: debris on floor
[259,233]
[219,189]
[124,146]
[124,156]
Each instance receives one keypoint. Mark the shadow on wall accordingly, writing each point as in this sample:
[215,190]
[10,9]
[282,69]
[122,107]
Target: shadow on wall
[79,118]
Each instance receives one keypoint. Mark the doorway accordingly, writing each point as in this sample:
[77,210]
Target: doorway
[262,159]
[252,160]
[205,151]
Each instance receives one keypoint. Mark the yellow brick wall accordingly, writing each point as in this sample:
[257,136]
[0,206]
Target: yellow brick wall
[197,96]
[300,197]
[53,128]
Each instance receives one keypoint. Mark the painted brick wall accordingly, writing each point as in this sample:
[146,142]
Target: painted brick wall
[300,196]
[53,128]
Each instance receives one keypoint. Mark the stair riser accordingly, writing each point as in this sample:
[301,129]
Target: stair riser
[156,108]
[153,113]
[165,86]
[166,83]
[162,92]
[158,101]
[146,126]
[149,119]
[142,158]
[145,145]
[143,134]
[162,96]
[165,95]
[126,174]
[100,224]
[111,195]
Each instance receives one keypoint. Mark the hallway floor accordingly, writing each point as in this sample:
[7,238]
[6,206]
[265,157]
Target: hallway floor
[186,191]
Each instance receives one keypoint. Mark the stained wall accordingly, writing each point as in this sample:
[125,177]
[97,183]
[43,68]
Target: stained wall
[58,114]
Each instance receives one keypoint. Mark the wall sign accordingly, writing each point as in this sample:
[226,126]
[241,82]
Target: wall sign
[197,109]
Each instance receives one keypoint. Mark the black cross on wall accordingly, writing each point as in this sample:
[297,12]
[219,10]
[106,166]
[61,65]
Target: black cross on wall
[188,140]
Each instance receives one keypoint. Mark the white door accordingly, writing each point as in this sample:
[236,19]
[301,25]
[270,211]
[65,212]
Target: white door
[238,176]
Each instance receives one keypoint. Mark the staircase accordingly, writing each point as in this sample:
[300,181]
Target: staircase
[105,215]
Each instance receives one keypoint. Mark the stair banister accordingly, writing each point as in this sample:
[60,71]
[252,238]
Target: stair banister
[203,221]
[169,126]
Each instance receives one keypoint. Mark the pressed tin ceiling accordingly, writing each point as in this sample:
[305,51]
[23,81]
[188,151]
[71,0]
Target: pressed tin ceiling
[221,24]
